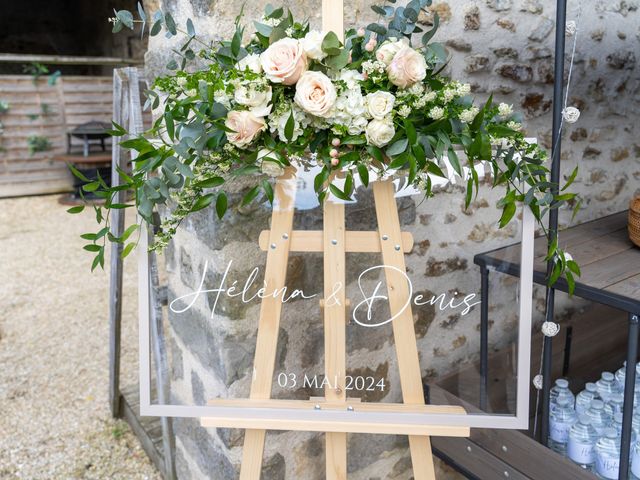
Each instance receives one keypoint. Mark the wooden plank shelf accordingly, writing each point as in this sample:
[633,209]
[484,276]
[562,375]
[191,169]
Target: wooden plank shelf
[148,430]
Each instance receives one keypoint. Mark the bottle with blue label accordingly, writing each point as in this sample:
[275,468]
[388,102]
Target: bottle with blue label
[614,404]
[599,418]
[608,455]
[585,397]
[607,386]
[582,443]
[561,390]
[561,419]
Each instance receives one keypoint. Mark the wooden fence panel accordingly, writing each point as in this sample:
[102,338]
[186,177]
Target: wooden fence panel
[73,100]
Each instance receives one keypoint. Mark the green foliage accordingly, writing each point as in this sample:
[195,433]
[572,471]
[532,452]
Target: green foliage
[190,157]
[37,143]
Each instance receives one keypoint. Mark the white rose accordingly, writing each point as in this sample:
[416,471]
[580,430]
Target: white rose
[312,45]
[379,132]
[380,104]
[252,62]
[270,166]
[407,67]
[257,100]
[388,50]
[284,61]
[315,94]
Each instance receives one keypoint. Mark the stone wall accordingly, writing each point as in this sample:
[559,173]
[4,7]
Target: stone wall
[501,47]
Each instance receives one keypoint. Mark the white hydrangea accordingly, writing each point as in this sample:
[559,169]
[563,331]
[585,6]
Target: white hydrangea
[350,110]
[436,113]
[504,110]
[222,97]
[404,111]
[351,78]
[278,121]
[469,114]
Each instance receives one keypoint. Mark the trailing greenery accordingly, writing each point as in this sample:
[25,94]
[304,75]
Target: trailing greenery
[373,103]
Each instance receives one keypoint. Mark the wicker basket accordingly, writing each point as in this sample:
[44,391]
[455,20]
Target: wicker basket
[634,221]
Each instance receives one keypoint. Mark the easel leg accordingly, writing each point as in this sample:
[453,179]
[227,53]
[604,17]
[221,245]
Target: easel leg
[334,330]
[269,322]
[403,329]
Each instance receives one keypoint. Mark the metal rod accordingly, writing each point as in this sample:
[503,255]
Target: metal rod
[556,134]
[629,384]
[484,336]
[567,352]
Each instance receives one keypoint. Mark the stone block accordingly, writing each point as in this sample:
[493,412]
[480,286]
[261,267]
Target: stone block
[472,17]
[518,72]
[542,30]
[499,5]
[476,63]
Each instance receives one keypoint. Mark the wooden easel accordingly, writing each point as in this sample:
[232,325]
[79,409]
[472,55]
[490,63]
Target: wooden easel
[335,242]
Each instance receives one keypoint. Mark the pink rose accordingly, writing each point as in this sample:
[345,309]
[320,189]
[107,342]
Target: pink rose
[315,94]
[407,67]
[284,61]
[245,125]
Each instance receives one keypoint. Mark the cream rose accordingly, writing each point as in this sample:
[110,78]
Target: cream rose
[388,50]
[254,97]
[245,125]
[315,94]
[252,62]
[284,61]
[312,45]
[380,104]
[407,67]
[379,132]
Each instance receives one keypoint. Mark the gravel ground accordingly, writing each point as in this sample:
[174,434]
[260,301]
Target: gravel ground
[54,416]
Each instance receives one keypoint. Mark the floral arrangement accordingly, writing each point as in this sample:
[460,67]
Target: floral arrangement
[375,102]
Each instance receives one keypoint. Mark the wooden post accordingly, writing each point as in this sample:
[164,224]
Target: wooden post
[403,330]
[269,322]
